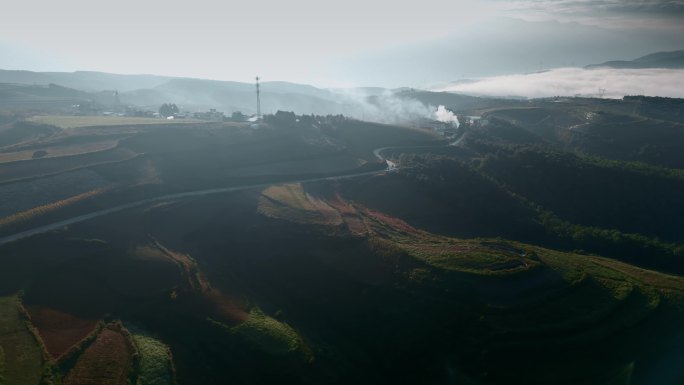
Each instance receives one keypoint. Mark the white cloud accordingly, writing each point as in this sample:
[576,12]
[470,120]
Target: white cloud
[573,81]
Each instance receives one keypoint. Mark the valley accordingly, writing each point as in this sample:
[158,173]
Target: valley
[542,246]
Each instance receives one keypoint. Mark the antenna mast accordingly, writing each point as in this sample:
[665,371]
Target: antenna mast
[258,99]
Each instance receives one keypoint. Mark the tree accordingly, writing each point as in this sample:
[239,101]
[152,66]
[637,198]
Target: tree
[238,116]
[168,109]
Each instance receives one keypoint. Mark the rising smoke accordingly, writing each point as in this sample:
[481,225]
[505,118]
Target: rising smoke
[446,116]
[384,107]
[392,108]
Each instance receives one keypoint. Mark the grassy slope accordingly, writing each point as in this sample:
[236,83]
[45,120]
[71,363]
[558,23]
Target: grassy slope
[541,301]
[268,334]
[540,196]
[613,130]
[22,363]
[532,301]
[156,365]
[292,202]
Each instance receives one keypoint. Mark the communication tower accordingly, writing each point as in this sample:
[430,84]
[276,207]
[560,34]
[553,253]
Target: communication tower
[258,99]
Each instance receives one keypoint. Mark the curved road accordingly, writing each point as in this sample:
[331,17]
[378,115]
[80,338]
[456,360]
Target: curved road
[95,214]
[81,218]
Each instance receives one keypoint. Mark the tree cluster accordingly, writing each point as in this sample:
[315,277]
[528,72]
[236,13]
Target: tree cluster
[168,109]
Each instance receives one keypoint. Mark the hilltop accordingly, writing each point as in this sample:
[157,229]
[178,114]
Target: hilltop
[672,59]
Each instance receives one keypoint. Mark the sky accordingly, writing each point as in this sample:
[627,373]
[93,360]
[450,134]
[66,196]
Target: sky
[332,43]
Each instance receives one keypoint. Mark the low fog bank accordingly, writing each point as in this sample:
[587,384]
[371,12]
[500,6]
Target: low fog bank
[577,82]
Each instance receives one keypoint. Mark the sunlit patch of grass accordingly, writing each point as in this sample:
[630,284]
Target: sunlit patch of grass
[266,333]
[451,254]
[466,256]
[36,212]
[291,202]
[156,365]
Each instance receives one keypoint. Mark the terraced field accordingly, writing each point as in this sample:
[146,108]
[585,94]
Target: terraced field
[59,331]
[107,361]
[309,283]
[293,203]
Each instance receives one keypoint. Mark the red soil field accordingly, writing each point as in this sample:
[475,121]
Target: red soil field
[226,307]
[59,331]
[395,223]
[350,215]
[106,362]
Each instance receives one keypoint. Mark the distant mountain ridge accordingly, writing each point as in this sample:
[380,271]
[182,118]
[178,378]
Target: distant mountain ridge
[84,80]
[671,60]
[100,81]
[151,90]
[62,90]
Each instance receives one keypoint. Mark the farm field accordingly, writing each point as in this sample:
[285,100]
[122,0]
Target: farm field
[291,202]
[106,361]
[57,151]
[533,298]
[21,196]
[12,172]
[70,122]
[59,331]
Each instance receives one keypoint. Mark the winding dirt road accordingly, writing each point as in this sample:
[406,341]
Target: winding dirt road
[187,194]
[82,218]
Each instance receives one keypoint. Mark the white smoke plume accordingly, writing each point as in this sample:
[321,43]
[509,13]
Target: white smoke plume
[578,81]
[383,107]
[446,116]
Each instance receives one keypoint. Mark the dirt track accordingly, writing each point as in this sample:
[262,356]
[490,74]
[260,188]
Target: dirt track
[187,194]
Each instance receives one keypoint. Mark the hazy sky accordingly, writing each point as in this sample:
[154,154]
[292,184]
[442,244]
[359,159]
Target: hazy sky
[314,41]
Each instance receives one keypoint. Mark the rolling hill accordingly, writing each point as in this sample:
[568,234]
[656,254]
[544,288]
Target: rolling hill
[673,60]
[542,246]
